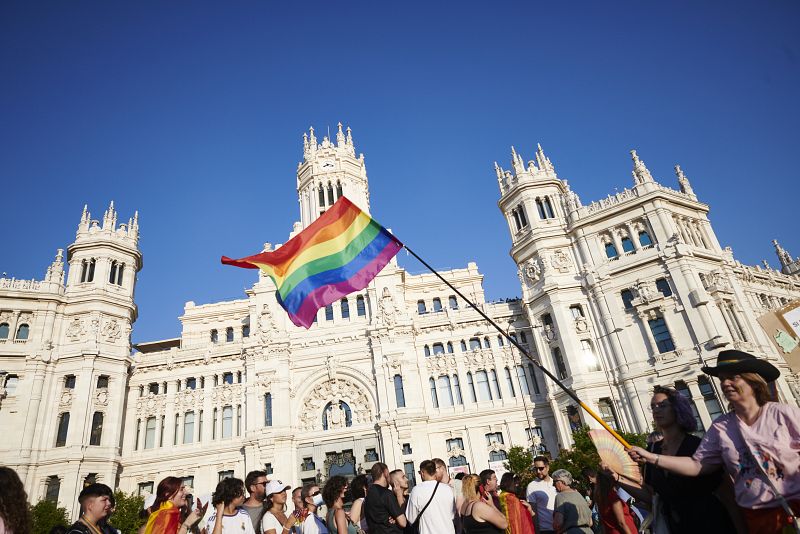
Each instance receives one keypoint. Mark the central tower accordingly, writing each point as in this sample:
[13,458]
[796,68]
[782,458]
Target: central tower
[329,171]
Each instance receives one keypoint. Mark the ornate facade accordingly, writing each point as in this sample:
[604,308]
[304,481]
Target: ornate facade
[617,296]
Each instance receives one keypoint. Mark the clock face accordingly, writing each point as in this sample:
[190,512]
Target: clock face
[327,164]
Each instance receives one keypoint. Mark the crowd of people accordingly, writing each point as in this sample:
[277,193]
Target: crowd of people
[742,476]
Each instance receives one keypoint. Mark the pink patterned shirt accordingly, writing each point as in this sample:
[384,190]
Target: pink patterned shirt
[773,439]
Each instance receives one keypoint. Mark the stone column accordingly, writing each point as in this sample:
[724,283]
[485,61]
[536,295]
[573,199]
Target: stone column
[634,237]
[34,367]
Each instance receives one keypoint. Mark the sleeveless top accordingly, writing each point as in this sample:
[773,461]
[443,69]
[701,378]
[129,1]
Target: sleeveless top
[351,528]
[473,526]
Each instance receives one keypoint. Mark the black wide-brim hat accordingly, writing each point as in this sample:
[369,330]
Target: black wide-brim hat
[736,362]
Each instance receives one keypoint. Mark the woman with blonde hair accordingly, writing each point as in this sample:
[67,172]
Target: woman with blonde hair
[478,513]
[757,443]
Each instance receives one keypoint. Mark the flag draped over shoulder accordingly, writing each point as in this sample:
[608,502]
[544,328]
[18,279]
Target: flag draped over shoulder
[339,253]
[518,516]
[165,520]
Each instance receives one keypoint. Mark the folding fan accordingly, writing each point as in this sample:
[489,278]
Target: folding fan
[613,454]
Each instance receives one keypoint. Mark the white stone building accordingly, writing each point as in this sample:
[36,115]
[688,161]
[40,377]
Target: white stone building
[618,296]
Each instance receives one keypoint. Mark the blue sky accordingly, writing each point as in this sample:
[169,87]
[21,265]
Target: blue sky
[192,113]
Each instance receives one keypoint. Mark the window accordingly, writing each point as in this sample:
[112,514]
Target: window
[627,298]
[495,384]
[498,456]
[371,455]
[471,386]
[607,412]
[112,275]
[164,424]
[455,443]
[683,389]
[174,434]
[445,393]
[214,336]
[662,285]
[227,421]
[222,475]
[145,488]
[661,335]
[548,208]
[486,343]
[500,341]
[228,335]
[399,393]
[3,330]
[63,428]
[191,383]
[710,399]
[611,251]
[483,385]
[434,396]
[589,357]
[22,332]
[426,350]
[97,429]
[238,419]
[361,308]
[523,338]
[188,427]
[510,382]
[522,218]
[102,382]
[474,343]
[407,448]
[245,330]
[627,244]
[153,388]
[437,304]
[408,468]
[345,307]
[456,461]
[494,437]
[534,381]
[558,361]
[188,481]
[452,302]
[11,384]
[644,238]
[463,346]
[449,347]
[457,390]
[339,193]
[438,348]
[329,312]
[214,424]
[150,433]
[576,310]
[308,464]
[52,488]
[321,196]
[268,409]
[540,209]
[69,382]
[421,309]
[268,468]
[90,274]
[523,380]
[227,378]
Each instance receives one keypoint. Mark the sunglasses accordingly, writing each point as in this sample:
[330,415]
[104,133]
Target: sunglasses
[663,405]
[315,493]
[540,468]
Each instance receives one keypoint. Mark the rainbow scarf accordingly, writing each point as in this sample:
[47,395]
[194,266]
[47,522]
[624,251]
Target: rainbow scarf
[339,253]
[518,516]
[165,520]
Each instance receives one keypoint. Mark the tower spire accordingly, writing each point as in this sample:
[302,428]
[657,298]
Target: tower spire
[683,181]
[640,172]
[516,162]
[784,256]
[340,141]
[542,161]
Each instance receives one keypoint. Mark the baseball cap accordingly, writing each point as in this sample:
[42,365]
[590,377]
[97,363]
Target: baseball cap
[275,486]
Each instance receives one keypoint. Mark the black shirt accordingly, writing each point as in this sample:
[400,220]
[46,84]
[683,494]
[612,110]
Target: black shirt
[379,506]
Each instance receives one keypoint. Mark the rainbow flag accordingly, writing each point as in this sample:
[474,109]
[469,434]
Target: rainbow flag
[339,253]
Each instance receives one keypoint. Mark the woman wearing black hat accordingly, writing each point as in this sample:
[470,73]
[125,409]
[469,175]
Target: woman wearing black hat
[757,443]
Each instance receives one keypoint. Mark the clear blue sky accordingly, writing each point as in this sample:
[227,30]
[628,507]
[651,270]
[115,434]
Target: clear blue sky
[192,113]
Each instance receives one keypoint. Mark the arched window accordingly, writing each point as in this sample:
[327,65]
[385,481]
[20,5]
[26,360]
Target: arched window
[611,250]
[627,244]
[330,194]
[150,432]
[246,330]
[22,331]
[339,192]
[267,409]
[444,390]
[329,312]
[84,270]
[457,390]
[361,308]
[434,397]
[427,350]
[482,378]
[112,274]
[96,433]
[534,381]
[438,348]
[188,428]
[523,380]
[522,218]
[627,298]
[710,399]
[63,429]
[120,273]
[449,347]
[227,421]
[548,208]
[214,336]
[500,341]
[11,384]
[399,392]
[437,304]
[332,415]
[321,196]
[540,209]
[644,238]
[510,382]
[517,220]
[345,306]
[421,309]
[90,275]
[453,303]
[52,487]
[471,387]
[4,330]
[558,361]
[463,346]
[474,343]
[456,461]
[229,334]
[497,456]
[495,384]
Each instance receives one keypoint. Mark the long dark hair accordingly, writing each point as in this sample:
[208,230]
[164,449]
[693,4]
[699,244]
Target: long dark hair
[166,489]
[13,502]
[333,488]
[680,405]
[602,488]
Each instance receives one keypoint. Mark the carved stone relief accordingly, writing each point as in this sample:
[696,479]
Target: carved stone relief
[151,405]
[561,261]
[387,309]
[76,329]
[333,391]
[111,330]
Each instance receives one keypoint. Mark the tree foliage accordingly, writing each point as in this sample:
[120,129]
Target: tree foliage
[126,512]
[46,515]
[520,462]
[584,454]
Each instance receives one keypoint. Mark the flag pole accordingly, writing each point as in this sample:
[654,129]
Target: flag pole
[514,342]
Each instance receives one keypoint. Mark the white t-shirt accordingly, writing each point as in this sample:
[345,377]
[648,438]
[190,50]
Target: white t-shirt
[269,521]
[314,525]
[542,495]
[439,515]
[238,523]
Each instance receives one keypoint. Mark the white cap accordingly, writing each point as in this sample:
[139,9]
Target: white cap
[275,486]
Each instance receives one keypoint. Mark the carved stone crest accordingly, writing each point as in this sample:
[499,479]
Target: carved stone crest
[387,309]
[66,399]
[266,324]
[334,391]
[111,330]
[560,261]
[101,397]
[76,329]
[533,270]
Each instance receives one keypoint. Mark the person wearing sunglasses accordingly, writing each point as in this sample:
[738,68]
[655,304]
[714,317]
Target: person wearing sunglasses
[255,482]
[312,498]
[541,495]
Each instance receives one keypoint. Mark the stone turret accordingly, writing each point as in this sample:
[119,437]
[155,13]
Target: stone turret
[788,264]
[641,174]
[683,182]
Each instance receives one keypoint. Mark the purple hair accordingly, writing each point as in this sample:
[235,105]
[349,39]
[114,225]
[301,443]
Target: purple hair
[684,416]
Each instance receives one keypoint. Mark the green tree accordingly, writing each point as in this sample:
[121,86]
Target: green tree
[520,462]
[46,515]
[126,512]
[584,454]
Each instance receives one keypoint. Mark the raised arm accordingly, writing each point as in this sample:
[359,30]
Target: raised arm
[681,465]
